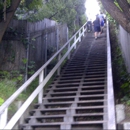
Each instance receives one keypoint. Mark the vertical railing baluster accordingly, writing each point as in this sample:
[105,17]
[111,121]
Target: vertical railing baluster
[41,78]
[58,70]
[79,35]
[68,49]
[3,118]
[74,42]
[83,32]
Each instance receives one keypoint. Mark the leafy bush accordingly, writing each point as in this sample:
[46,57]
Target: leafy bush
[7,87]
[1,101]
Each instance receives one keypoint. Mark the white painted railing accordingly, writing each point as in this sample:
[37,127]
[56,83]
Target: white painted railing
[111,123]
[42,82]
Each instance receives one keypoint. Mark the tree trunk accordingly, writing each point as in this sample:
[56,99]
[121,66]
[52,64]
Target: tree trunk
[9,15]
[119,15]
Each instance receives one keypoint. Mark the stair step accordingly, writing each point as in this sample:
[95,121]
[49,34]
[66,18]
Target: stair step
[63,105]
[61,116]
[88,122]
[75,68]
[89,92]
[70,102]
[69,78]
[95,76]
[94,79]
[79,96]
[69,81]
[85,86]
[87,128]
[76,83]
[77,80]
[36,125]
[82,92]
[72,74]
[91,73]
[66,84]
[64,123]
[66,89]
[95,66]
[88,125]
[68,108]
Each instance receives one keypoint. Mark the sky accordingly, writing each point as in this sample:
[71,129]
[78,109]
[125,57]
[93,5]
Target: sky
[92,9]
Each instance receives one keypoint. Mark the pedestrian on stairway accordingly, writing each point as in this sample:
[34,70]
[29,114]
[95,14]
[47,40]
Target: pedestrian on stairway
[97,29]
[89,25]
[101,17]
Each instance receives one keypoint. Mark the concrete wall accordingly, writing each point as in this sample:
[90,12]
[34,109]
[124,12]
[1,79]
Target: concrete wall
[124,39]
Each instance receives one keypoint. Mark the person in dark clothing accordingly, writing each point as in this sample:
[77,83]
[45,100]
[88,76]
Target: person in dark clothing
[89,25]
[101,17]
[97,29]
[104,20]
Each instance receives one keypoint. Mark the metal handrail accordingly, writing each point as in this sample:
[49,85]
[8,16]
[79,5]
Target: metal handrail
[42,83]
[111,124]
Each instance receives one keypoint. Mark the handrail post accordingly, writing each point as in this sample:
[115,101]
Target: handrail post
[79,35]
[3,118]
[58,71]
[83,31]
[74,42]
[41,78]
[68,49]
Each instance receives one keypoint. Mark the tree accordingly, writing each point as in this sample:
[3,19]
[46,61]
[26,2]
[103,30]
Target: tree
[62,11]
[120,11]
[7,9]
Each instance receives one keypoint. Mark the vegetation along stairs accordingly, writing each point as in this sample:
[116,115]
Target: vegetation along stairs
[76,99]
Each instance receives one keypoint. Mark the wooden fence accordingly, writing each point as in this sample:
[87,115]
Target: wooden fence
[28,45]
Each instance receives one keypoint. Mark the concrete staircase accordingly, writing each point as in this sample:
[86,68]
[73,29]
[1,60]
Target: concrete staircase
[76,99]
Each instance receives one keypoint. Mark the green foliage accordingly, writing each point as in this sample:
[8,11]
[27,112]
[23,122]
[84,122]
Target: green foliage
[121,78]
[15,76]
[110,18]
[62,11]
[11,57]
[1,101]
[124,76]
[116,3]
[7,87]
[4,74]
[35,4]
[128,1]
[24,60]
[31,67]
[24,95]
[8,3]
[126,100]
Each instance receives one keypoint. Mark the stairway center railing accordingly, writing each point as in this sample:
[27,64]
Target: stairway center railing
[69,45]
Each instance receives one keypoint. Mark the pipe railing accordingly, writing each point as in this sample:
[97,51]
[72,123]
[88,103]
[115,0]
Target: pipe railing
[42,82]
[111,119]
